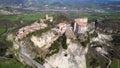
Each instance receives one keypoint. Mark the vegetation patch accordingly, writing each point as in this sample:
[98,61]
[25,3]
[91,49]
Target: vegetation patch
[116,38]
[39,60]
[115,63]
[65,55]
[9,18]
[93,16]
[56,45]
[10,63]
[93,64]
[60,18]
[4,45]
[63,42]
[54,48]
[2,30]
[37,33]
[31,17]
[87,41]
[25,17]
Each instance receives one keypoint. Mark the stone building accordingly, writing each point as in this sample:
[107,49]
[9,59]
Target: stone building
[80,25]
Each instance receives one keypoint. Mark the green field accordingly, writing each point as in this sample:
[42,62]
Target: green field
[25,17]
[115,64]
[36,16]
[92,16]
[10,63]
[1,30]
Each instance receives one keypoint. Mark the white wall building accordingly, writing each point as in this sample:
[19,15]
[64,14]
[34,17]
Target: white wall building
[80,25]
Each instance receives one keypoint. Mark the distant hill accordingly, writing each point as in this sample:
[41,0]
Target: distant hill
[11,2]
[43,4]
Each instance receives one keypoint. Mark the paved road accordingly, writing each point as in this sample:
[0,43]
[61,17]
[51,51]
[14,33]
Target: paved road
[28,59]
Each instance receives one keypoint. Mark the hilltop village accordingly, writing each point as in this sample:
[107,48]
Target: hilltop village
[62,33]
[37,25]
[79,26]
[59,33]
[52,42]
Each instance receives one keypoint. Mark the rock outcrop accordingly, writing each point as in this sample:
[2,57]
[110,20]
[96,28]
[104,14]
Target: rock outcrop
[61,47]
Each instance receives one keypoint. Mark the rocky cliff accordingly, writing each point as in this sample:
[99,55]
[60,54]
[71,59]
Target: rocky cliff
[59,47]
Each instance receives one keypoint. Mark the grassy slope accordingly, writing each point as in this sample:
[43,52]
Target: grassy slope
[92,16]
[36,16]
[10,63]
[32,17]
[115,64]
[1,30]
[26,17]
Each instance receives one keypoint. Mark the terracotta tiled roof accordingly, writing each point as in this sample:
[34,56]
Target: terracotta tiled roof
[31,28]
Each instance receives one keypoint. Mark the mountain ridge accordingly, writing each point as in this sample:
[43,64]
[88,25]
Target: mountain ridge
[42,2]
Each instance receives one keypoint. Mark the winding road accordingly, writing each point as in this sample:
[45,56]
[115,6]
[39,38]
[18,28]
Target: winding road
[28,59]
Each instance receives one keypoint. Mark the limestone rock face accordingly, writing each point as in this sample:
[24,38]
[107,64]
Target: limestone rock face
[93,44]
[43,43]
[35,46]
[45,40]
[102,38]
[72,57]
